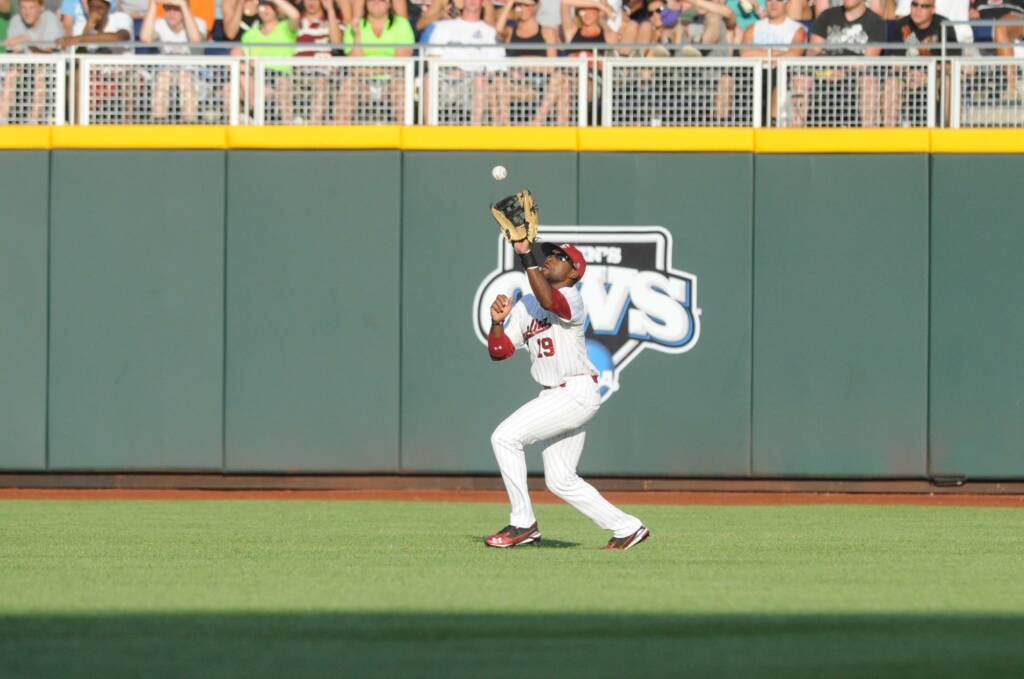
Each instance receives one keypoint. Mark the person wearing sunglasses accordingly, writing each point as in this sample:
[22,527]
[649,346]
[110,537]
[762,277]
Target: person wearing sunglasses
[921,33]
[548,325]
[777,28]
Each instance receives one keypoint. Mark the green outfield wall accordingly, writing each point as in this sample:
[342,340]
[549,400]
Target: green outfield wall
[765,315]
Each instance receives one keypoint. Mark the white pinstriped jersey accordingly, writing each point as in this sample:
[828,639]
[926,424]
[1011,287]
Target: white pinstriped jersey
[558,348]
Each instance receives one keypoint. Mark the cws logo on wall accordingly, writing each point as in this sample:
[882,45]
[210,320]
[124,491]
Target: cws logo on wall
[634,297]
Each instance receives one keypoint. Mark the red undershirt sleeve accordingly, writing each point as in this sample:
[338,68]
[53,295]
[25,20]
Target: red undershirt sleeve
[500,348]
[560,305]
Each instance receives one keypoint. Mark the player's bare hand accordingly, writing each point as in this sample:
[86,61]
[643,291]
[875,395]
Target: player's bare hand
[501,308]
[522,246]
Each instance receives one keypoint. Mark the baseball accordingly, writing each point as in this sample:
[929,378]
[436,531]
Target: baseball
[499,172]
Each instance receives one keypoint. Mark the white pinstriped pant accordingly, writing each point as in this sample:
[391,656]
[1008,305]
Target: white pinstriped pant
[556,415]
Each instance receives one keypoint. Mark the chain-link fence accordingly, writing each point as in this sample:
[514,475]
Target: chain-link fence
[682,93]
[986,92]
[161,90]
[515,91]
[855,92]
[33,90]
[333,91]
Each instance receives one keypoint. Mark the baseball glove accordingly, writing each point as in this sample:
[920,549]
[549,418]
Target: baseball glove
[517,217]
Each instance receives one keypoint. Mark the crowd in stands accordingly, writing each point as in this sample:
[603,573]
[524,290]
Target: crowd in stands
[523,28]
[684,26]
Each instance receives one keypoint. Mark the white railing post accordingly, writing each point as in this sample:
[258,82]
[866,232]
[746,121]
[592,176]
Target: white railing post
[582,118]
[782,95]
[59,101]
[83,91]
[757,93]
[234,83]
[409,73]
[607,92]
[432,90]
[955,98]
[259,92]
[931,93]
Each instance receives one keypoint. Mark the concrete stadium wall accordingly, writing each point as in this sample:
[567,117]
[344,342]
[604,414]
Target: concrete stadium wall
[282,311]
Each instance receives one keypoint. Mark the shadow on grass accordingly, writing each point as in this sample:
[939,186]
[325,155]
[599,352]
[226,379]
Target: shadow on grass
[544,543]
[510,645]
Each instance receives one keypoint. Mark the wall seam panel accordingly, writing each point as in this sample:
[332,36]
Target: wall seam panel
[224,327]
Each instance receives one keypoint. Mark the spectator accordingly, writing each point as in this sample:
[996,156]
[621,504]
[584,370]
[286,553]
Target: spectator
[136,9]
[32,23]
[528,84]
[176,29]
[549,16]
[5,17]
[101,25]
[919,30]
[821,6]
[441,10]
[1001,10]
[485,90]
[666,19]
[852,26]
[746,13]
[637,29]
[708,23]
[318,25]
[524,29]
[799,10]
[70,12]
[239,17]
[382,25]
[586,26]
[778,29]
[953,10]
[275,35]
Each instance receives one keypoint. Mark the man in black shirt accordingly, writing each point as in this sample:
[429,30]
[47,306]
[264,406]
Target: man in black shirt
[852,26]
[921,32]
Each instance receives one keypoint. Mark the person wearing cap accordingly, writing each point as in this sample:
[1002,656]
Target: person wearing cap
[177,28]
[103,24]
[548,325]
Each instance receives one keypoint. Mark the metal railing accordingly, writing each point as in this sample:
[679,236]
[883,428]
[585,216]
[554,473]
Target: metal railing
[856,92]
[32,90]
[605,89]
[686,92]
[515,91]
[118,90]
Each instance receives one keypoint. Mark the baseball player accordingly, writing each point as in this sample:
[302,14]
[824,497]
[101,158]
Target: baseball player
[549,325]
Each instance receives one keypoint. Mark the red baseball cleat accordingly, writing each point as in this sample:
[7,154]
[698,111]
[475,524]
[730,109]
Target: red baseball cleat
[622,544]
[511,536]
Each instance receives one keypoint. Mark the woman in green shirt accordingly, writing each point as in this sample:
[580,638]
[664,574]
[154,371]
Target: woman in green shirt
[370,85]
[271,30]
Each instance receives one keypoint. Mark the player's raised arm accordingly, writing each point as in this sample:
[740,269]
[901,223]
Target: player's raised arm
[499,346]
[542,290]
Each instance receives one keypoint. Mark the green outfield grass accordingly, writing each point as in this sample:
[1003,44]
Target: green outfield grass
[296,588]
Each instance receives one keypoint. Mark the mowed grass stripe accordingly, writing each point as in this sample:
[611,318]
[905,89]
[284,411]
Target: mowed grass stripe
[247,588]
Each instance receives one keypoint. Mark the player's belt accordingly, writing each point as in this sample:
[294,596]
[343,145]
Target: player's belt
[593,377]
